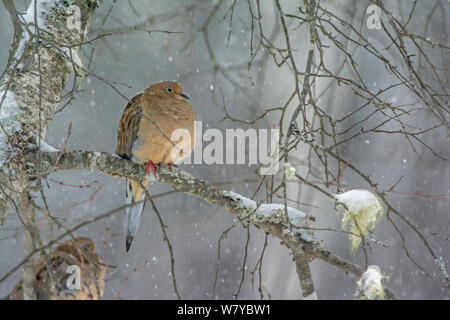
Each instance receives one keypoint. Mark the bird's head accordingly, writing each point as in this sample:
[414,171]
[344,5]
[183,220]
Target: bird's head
[167,89]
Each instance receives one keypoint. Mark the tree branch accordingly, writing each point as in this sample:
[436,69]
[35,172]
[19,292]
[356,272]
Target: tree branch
[268,217]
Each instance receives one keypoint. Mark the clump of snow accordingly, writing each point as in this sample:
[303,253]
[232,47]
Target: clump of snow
[275,213]
[45,147]
[298,219]
[369,285]
[361,213]
[289,170]
[246,202]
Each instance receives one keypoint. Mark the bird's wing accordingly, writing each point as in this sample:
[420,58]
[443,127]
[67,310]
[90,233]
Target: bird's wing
[129,127]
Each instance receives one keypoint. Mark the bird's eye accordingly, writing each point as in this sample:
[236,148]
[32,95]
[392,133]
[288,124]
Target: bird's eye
[169,90]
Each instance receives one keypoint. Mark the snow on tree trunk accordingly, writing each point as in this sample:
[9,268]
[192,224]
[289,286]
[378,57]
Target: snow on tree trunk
[38,68]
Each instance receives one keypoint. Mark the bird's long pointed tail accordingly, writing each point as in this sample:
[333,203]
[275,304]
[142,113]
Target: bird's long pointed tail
[134,199]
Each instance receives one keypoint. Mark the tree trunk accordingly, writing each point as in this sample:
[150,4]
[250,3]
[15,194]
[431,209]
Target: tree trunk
[40,63]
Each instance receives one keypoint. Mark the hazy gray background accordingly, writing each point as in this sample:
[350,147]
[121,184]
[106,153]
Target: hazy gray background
[139,59]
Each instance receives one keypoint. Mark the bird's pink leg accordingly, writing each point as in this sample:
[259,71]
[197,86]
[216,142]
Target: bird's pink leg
[171,165]
[151,165]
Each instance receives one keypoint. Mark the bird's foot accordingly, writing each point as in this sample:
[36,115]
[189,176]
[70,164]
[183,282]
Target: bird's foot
[153,166]
[171,165]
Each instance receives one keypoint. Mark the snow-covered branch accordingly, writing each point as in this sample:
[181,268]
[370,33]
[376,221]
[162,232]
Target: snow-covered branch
[293,230]
[269,217]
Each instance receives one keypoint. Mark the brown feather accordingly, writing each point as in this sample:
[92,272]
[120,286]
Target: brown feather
[129,126]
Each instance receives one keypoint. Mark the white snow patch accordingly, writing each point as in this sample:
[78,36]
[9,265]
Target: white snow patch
[9,110]
[45,147]
[28,19]
[356,198]
[297,218]
[8,113]
[289,170]
[369,285]
[362,212]
[244,200]
[42,9]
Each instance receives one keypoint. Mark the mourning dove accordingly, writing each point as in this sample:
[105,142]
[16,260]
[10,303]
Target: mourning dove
[146,135]
[80,254]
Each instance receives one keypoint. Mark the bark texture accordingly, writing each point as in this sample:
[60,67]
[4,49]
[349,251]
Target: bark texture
[39,66]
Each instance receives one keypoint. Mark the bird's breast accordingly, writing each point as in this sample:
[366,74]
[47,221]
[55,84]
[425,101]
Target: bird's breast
[158,126]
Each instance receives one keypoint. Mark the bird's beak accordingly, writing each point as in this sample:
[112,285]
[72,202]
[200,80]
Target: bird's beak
[182,96]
